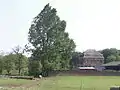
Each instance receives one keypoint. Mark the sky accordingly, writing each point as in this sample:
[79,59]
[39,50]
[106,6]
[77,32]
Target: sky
[92,24]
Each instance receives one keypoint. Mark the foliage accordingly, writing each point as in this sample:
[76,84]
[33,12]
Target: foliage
[111,58]
[76,58]
[106,53]
[52,45]
[117,57]
[34,67]
[1,64]
[21,61]
[9,64]
[111,54]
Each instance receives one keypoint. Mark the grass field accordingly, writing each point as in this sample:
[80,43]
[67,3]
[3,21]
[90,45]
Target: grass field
[65,83]
[14,82]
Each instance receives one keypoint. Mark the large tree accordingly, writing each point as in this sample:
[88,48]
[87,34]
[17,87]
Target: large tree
[52,45]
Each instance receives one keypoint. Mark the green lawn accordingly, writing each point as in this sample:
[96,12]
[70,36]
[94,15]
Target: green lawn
[14,82]
[80,83]
[67,83]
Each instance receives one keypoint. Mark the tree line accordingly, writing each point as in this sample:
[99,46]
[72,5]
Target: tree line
[16,63]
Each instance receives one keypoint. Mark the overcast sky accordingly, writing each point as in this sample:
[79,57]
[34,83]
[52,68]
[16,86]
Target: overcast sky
[93,24]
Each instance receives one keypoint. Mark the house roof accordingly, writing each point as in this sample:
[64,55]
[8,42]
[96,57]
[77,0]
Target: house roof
[91,53]
[114,63]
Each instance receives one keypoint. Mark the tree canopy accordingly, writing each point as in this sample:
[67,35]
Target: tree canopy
[111,54]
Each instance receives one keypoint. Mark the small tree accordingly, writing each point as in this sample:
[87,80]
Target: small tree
[1,62]
[9,64]
[21,60]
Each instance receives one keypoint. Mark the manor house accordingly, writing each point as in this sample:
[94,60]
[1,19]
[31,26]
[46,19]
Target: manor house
[92,58]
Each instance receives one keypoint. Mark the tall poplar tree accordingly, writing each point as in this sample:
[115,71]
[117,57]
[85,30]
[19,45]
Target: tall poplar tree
[52,45]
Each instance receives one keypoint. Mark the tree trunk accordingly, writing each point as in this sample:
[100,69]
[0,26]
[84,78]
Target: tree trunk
[0,71]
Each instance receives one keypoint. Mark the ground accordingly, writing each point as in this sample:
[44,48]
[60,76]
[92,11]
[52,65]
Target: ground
[63,83]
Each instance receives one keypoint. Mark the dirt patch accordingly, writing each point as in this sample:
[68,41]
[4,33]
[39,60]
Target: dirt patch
[26,86]
[36,82]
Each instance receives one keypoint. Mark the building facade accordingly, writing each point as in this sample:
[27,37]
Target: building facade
[92,58]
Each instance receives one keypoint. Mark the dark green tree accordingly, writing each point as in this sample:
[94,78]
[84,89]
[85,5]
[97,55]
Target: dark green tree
[34,67]
[106,53]
[111,54]
[111,58]
[52,45]
[77,58]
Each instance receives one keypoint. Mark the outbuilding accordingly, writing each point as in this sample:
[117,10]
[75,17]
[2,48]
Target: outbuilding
[115,65]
